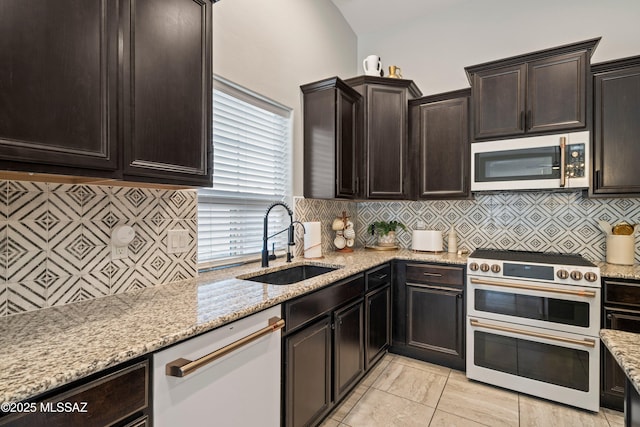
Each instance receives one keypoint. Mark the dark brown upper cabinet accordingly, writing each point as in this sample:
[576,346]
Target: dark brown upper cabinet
[58,71]
[331,122]
[439,136]
[385,148]
[539,92]
[616,127]
[167,90]
[109,89]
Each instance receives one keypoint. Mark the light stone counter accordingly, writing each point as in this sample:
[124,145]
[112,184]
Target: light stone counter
[48,348]
[613,271]
[625,348]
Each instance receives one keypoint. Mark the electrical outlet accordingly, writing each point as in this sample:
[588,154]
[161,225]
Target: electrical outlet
[177,241]
[421,225]
[119,252]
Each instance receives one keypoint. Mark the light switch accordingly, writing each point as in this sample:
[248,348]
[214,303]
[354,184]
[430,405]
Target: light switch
[177,241]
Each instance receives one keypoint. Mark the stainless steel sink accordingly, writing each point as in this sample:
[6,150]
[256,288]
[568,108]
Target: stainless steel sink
[290,275]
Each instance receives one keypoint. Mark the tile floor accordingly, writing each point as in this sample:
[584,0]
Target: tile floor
[404,392]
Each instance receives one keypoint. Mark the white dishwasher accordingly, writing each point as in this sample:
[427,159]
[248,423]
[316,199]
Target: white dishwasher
[227,377]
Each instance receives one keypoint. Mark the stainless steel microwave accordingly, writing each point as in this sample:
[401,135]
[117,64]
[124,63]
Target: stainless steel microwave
[540,162]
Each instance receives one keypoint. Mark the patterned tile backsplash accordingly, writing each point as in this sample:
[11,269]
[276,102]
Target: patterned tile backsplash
[537,221]
[55,238]
[55,241]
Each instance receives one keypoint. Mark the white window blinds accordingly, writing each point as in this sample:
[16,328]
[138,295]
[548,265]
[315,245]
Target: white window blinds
[251,170]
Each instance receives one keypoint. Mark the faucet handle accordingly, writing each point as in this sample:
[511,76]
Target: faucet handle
[273,256]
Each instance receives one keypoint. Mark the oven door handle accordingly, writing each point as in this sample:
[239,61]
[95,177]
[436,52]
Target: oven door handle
[580,293]
[587,342]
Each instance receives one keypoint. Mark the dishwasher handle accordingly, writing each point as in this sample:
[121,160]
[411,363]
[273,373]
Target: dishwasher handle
[183,367]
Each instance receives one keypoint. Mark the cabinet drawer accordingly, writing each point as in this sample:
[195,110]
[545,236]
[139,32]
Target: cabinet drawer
[312,306]
[108,399]
[622,293]
[426,273]
[378,277]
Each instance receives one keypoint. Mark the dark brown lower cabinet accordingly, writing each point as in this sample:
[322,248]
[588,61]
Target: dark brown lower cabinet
[348,348]
[119,397]
[429,313]
[323,350]
[333,337]
[308,374]
[377,324]
[631,406]
[621,311]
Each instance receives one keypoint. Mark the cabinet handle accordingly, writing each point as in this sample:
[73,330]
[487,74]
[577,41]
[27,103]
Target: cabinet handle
[521,120]
[459,296]
[381,277]
[183,367]
[433,274]
[609,316]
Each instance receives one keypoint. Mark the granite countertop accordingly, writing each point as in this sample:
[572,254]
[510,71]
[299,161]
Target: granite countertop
[613,271]
[625,348]
[48,348]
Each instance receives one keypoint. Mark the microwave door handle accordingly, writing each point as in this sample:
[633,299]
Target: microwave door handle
[563,161]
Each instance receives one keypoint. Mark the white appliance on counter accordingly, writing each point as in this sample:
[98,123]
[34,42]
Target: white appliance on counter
[539,162]
[533,323]
[226,377]
[426,240]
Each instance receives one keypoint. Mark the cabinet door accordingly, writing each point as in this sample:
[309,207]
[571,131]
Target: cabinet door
[308,374]
[613,377]
[348,348]
[443,144]
[58,75]
[167,90]
[617,132]
[556,95]
[435,319]
[499,101]
[347,146]
[378,324]
[386,142]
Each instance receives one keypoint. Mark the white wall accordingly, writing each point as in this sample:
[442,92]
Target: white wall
[433,50]
[274,46]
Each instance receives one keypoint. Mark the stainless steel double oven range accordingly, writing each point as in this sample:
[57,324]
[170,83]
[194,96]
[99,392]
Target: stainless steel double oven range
[533,323]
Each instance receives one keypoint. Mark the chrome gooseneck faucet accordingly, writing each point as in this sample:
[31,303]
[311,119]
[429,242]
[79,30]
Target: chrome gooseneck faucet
[266,237]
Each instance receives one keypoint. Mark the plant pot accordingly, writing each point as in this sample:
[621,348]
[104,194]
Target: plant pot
[388,239]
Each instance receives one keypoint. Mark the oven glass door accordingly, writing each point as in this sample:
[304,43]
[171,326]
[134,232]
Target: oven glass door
[537,304]
[518,165]
[552,364]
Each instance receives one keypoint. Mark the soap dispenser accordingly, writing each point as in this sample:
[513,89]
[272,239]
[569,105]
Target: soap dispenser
[452,242]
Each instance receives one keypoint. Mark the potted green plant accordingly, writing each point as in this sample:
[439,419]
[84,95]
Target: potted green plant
[386,231]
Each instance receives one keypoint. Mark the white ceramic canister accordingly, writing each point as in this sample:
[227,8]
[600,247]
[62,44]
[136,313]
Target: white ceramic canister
[621,249]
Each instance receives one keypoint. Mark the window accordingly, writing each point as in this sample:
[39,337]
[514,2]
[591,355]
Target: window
[251,170]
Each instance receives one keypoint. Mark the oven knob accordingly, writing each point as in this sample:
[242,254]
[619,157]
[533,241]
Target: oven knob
[484,267]
[495,268]
[473,266]
[576,275]
[562,274]
[590,277]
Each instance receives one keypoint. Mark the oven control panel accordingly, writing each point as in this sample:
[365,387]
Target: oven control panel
[567,274]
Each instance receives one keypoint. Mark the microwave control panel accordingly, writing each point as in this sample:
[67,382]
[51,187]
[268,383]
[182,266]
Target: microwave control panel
[575,161]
